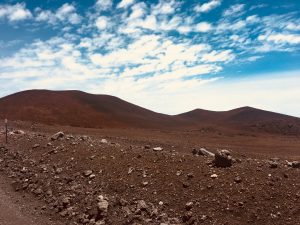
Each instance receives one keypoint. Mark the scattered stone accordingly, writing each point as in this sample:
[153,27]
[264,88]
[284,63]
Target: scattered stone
[202,152]
[130,170]
[36,146]
[185,184]
[84,138]
[104,141]
[294,164]
[179,172]
[102,204]
[273,164]
[238,179]
[141,205]
[20,132]
[189,206]
[223,159]
[92,176]
[58,135]
[58,170]
[147,147]
[157,149]
[87,173]
[190,175]
[65,201]
[214,176]
[145,183]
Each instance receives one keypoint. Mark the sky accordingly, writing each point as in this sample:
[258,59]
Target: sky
[170,56]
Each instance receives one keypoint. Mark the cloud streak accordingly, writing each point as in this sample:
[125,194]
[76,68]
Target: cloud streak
[15,13]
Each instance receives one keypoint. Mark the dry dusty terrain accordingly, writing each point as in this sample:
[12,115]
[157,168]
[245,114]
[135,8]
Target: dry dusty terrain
[114,176]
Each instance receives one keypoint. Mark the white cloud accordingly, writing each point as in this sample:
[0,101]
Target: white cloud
[102,22]
[222,56]
[234,11]
[165,7]
[252,19]
[203,27]
[104,4]
[66,14]
[293,26]
[138,11]
[281,38]
[125,3]
[15,12]
[206,7]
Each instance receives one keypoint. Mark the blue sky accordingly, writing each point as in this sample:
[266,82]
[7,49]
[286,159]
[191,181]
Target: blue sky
[168,56]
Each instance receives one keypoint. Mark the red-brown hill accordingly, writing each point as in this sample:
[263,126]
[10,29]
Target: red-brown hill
[246,118]
[76,108]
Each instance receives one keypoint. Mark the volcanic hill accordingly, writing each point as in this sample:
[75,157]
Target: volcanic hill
[76,108]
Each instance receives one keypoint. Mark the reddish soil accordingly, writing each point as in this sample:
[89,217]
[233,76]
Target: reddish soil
[143,186]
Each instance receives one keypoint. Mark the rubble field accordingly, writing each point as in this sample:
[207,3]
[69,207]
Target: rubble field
[136,176]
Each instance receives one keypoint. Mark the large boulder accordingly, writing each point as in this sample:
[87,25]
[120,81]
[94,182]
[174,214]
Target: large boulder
[58,135]
[223,159]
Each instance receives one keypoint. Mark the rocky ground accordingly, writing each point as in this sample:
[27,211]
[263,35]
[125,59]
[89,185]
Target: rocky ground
[89,176]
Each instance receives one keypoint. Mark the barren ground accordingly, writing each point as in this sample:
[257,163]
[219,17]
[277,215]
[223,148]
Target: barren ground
[62,179]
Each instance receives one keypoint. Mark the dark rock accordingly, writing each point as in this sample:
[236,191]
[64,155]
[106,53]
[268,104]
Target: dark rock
[273,164]
[223,159]
[36,146]
[238,179]
[58,135]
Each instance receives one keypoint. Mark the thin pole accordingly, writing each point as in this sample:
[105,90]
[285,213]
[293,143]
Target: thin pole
[6,131]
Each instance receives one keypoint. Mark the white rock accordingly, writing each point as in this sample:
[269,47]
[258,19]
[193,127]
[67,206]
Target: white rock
[214,175]
[102,204]
[104,141]
[157,149]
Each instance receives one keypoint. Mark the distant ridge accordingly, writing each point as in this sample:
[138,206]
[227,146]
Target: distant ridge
[77,108]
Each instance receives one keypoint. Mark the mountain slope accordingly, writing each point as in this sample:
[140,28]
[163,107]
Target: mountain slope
[246,118]
[76,108]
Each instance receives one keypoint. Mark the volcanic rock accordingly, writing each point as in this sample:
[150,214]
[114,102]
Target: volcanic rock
[58,135]
[36,146]
[87,173]
[223,159]
[294,164]
[202,152]
[141,205]
[273,164]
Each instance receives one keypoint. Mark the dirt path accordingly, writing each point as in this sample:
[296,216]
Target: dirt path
[17,209]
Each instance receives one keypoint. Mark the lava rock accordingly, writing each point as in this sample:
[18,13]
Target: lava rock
[58,135]
[223,159]
[141,205]
[202,152]
[87,173]
[238,179]
[273,164]
[36,146]
[294,164]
